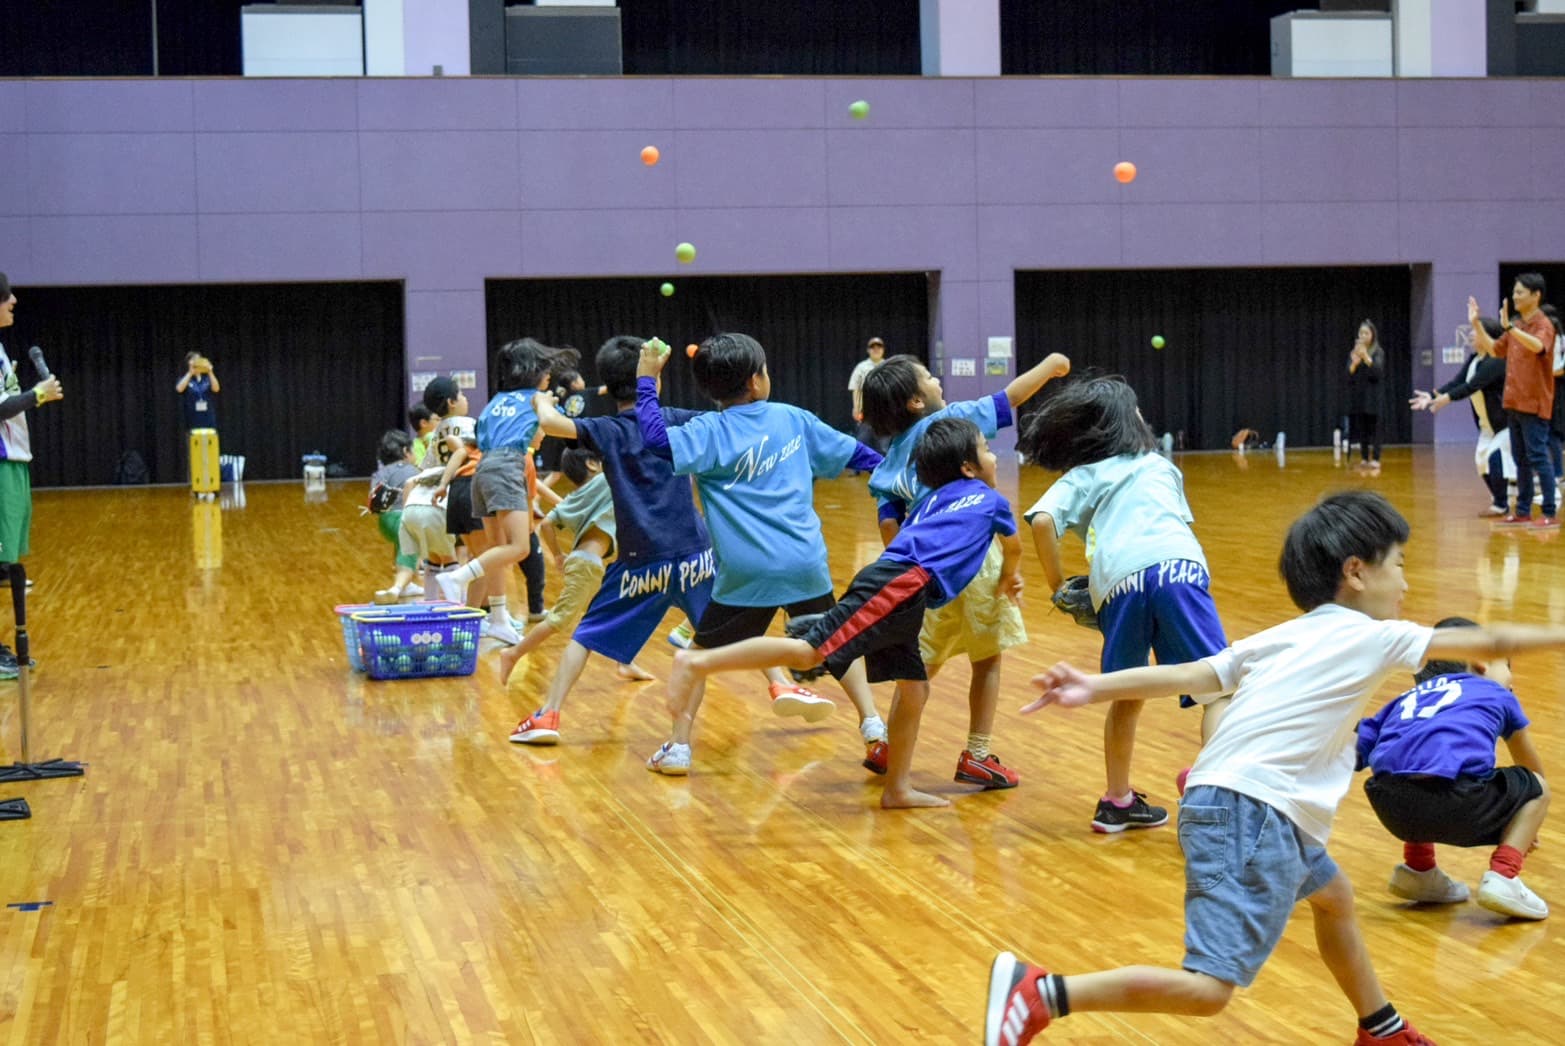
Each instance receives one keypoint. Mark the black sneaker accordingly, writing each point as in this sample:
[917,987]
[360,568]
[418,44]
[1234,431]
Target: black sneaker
[797,628]
[1139,814]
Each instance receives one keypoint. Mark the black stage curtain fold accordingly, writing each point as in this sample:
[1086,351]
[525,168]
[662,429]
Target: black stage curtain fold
[303,367]
[1139,37]
[114,37]
[813,328]
[756,37]
[1265,349]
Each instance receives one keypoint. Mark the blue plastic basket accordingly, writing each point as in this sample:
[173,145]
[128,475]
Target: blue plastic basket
[350,628]
[419,644]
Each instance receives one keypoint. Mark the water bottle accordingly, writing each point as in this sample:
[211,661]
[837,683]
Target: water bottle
[1282,441]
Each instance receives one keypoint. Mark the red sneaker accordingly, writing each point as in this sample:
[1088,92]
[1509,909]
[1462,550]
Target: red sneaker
[1016,1010]
[988,771]
[1408,1036]
[875,757]
[1514,519]
[1545,522]
[540,728]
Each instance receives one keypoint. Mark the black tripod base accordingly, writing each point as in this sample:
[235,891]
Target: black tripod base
[14,810]
[41,771]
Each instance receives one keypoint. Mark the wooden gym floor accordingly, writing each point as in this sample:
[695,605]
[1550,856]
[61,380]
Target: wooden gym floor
[269,848]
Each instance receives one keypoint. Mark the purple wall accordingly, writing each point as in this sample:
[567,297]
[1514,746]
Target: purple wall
[443,182]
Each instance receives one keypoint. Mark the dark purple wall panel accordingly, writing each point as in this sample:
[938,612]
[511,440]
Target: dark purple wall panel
[444,182]
[264,171]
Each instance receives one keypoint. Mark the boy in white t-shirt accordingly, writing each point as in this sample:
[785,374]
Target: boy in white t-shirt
[1260,799]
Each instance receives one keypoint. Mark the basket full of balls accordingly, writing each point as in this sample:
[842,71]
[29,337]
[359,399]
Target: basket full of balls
[420,643]
[350,627]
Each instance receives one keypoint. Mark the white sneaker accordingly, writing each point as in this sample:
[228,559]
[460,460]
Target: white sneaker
[1510,897]
[451,587]
[1496,510]
[800,701]
[873,730]
[1430,887]
[681,635]
[386,596]
[412,590]
[670,759]
[503,631]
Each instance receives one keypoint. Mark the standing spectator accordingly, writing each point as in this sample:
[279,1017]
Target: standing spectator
[862,432]
[1527,346]
[1366,366]
[1481,382]
[197,388]
[16,486]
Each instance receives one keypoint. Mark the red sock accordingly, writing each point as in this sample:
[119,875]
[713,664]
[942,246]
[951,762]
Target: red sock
[1507,860]
[1418,856]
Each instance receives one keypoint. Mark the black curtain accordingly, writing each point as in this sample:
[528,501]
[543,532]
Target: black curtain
[1139,37]
[1265,349]
[114,37]
[303,367]
[813,328]
[752,37]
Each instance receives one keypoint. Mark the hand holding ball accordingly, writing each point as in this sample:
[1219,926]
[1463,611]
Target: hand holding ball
[1125,171]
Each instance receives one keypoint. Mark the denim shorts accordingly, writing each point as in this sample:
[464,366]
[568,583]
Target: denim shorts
[1246,866]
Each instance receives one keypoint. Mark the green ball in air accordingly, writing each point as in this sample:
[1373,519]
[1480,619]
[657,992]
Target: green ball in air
[859,109]
[667,290]
[685,252]
[1157,341]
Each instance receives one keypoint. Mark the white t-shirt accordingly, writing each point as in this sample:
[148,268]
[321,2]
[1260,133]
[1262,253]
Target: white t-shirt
[423,492]
[1299,690]
[1130,511]
[856,379]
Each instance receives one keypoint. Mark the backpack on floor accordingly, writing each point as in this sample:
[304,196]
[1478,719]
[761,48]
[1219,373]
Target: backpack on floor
[132,470]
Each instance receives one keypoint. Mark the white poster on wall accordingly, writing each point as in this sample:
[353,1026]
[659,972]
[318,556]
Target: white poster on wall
[999,348]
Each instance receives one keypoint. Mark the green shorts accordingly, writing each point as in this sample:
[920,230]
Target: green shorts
[16,510]
[390,522]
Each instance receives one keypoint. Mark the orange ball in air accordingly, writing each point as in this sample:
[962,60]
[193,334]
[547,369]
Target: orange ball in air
[692,349]
[1125,171]
[649,155]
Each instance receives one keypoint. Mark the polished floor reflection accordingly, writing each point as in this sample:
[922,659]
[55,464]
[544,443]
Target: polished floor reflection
[268,847]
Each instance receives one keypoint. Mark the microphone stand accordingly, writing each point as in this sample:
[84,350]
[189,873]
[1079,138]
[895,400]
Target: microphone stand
[26,770]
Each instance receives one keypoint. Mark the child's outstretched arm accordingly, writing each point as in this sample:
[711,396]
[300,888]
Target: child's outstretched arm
[550,421]
[1026,385]
[1460,644]
[1069,687]
[1048,546]
[649,411]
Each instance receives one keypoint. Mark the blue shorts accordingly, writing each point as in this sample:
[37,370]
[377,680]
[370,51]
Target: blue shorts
[1163,609]
[1246,866]
[635,595]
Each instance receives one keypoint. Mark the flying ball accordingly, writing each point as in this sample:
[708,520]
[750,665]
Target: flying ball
[692,349]
[1125,171]
[859,109]
[1157,341]
[685,252]
[667,290]
[650,156]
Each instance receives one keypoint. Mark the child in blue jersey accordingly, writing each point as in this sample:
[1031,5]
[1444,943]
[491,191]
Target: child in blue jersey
[755,463]
[1148,576]
[1431,752]
[1255,821]
[901,399]
[500,495]
[932,559]
[664,556]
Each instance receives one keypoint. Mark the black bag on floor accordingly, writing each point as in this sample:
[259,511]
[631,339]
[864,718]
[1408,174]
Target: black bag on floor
[132,470]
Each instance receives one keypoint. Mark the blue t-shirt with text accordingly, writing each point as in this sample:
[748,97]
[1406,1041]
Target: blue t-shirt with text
[755,465]
[655,514]
[508,420]
[895,481]
[1445,727]
[948,533]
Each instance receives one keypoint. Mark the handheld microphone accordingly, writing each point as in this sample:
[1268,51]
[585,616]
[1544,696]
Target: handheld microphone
[36,355]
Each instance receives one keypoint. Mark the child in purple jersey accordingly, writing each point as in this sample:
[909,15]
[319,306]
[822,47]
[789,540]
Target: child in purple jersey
[879,618]
[1434,781]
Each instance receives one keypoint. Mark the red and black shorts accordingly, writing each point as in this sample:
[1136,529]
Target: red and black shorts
[878,618]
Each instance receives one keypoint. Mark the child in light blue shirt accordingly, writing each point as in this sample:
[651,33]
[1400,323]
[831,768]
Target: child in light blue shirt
[754,463]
